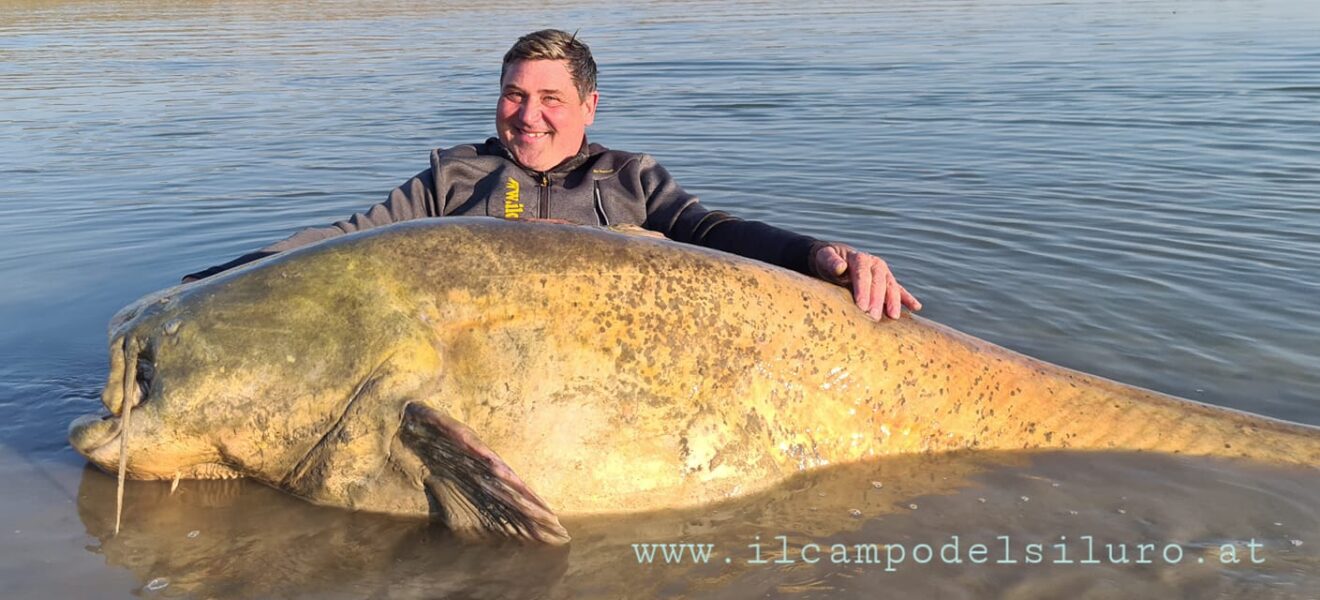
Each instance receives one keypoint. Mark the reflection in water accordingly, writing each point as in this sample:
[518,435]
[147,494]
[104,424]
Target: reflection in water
[251,540]
[240,539]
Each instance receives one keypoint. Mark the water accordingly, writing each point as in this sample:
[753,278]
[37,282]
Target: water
[1126,188]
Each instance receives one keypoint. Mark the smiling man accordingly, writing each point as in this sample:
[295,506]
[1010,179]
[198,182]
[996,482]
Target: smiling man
[540,166]
[542,116]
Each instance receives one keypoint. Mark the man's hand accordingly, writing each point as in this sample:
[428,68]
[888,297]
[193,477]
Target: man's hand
[874,287]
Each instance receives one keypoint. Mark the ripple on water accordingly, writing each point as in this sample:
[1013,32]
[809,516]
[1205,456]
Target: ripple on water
[1124,188]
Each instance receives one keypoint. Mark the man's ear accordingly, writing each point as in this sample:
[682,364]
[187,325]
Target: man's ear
[589,105]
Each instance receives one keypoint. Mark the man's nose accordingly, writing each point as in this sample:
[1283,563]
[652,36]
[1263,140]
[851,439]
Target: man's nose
[529,111]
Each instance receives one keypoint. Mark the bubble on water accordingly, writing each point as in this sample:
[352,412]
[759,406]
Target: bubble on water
[912,506]
[854,513]
[193,534]
[877,485]
[157,584]
[1026,499]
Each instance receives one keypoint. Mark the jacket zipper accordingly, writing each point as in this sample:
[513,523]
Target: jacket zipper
[600,204]
[545,196]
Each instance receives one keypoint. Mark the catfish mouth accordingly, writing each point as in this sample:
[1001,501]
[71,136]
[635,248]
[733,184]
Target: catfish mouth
[97,437]
[92,434]
[103,438]
[132,372]
[127,385]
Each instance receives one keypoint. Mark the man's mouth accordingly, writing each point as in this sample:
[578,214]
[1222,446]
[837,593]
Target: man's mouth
[523,134]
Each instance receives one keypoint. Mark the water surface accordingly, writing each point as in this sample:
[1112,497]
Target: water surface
[1126,188]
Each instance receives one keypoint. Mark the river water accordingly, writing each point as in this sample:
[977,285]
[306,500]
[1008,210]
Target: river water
[1127,188]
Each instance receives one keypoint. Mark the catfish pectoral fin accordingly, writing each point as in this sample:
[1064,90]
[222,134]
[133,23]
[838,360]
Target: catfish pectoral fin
[477,493]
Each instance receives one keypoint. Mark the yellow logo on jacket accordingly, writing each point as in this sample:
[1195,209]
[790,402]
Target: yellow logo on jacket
[513,206]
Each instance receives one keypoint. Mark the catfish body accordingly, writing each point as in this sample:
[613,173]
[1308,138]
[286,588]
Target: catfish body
[550,369]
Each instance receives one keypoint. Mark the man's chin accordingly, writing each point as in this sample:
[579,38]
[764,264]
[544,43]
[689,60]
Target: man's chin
[534,160]
[535,154]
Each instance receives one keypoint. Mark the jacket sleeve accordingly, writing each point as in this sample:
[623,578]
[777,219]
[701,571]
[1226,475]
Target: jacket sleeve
[415,199]
[681,217]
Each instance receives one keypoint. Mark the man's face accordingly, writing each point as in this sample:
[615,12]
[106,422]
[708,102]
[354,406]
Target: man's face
[541,118]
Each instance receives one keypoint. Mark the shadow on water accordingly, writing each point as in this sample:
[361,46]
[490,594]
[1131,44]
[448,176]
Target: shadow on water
[238,538]
[241,539]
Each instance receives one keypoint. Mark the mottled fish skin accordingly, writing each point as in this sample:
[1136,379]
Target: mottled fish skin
[611,372]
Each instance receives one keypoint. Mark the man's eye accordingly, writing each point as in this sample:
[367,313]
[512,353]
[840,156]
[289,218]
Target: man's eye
[553,100]
[513,96]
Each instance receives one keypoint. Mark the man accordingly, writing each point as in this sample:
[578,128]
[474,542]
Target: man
[540,166]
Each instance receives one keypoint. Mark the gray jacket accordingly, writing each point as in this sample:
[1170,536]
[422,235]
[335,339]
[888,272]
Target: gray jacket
[598,186]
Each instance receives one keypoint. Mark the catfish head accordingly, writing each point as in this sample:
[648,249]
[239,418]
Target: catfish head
[246,373]
[173,427]
[314,372]
[243,374]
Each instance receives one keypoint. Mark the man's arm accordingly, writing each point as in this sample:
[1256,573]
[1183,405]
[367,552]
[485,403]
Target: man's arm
[415,199]
[681,217]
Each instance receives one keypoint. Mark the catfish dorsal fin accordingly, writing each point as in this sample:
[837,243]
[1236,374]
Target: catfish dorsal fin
[478,494]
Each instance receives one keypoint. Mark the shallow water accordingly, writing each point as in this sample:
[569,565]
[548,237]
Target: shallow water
[1194,517]
[1126,188]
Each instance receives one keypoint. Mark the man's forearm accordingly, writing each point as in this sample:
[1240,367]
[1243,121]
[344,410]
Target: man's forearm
[756,240]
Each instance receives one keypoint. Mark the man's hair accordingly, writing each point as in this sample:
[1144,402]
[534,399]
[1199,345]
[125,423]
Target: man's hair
[553,44]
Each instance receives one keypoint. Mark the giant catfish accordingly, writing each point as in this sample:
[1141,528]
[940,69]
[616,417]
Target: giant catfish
[494,374]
